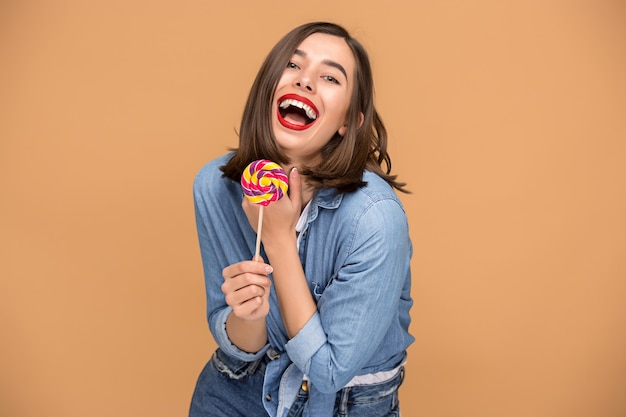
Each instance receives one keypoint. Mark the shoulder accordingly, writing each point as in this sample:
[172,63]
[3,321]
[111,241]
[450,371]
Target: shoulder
[372,209]
[210,174]
[376,192]
[210,184]
[371,217]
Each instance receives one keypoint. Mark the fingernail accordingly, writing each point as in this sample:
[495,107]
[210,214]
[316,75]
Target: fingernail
[269,269]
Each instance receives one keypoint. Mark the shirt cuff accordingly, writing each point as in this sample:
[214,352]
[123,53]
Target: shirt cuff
[303,345]
[221,337]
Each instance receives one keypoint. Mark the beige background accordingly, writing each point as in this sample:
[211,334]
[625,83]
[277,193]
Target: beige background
[506,118]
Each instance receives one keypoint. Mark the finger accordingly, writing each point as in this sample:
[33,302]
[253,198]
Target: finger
[242,295]
[243,281]
[295,185]
[250,308]
[252,267]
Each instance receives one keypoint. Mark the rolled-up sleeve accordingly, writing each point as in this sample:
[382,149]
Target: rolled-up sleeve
[308,340]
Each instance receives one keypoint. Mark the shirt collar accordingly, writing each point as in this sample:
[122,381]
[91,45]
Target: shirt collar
[327,198]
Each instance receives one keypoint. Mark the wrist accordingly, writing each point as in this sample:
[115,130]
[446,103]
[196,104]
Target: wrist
[248,335]
[280,245]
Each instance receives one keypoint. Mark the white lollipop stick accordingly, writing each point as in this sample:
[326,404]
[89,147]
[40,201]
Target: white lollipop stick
[259,227]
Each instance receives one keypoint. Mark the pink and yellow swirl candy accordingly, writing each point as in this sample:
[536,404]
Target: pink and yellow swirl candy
[264,181]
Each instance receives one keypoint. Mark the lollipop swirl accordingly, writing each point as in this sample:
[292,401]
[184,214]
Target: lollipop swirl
[264,181]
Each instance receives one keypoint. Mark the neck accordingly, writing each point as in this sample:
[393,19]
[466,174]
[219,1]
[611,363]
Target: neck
[307,195]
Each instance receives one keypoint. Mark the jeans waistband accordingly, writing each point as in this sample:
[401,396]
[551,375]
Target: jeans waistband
[373,378]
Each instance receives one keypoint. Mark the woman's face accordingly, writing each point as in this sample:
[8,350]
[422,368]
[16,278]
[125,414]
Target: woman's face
[312,97]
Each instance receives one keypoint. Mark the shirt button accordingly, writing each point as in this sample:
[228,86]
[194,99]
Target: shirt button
[268,397]
[304,386]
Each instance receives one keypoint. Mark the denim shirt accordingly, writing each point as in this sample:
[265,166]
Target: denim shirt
[355,250]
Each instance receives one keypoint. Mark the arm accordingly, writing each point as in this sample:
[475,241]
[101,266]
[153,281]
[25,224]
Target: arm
[225,238]
[279,242]
[358,317]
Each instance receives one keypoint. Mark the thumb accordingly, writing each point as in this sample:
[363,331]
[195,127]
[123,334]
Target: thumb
[295,185]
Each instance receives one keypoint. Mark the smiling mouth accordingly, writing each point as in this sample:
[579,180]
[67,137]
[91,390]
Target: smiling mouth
[296,112]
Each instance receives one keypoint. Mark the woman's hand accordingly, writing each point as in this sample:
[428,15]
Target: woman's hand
[279,217]
[247,288]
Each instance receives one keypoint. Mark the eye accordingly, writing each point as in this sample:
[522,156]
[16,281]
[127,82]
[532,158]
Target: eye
[331,79]
[292,65]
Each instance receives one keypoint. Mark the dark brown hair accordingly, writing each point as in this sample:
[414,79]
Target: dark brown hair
[343,158]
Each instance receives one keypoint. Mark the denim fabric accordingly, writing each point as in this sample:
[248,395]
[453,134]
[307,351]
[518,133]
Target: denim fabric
[355,251]
[376,400]
[229,387]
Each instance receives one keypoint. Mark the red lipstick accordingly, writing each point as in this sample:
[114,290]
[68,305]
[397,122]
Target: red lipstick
[296,107]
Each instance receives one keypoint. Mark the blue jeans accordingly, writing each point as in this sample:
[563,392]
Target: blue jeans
[228,387]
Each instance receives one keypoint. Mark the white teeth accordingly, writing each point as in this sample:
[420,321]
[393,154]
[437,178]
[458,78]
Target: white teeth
[307,109]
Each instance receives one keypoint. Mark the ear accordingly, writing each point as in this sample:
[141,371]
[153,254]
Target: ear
[342,129]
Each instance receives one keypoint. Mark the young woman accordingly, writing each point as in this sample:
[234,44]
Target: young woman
[318,325]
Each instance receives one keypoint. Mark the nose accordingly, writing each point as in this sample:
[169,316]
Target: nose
[304,82]
[305,86]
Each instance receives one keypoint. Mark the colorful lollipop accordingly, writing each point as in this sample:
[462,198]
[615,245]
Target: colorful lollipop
[263,181]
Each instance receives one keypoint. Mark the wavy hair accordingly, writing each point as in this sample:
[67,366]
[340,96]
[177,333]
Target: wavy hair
[344,159]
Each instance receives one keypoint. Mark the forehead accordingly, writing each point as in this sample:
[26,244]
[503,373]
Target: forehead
[324,47]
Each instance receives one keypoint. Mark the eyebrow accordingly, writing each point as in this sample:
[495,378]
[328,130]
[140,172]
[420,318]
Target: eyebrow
[328,62]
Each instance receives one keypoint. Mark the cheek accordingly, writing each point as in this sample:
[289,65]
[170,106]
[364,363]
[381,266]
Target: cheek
[341,109]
